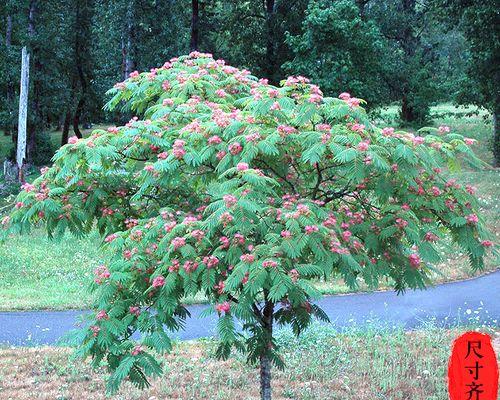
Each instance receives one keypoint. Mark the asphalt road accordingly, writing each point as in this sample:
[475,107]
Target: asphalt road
[476,300]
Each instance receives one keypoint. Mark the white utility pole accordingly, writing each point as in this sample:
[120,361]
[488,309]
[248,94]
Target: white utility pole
[23,112]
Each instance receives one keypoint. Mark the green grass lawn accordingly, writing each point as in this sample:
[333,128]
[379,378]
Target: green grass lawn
[38,273]
[321,364]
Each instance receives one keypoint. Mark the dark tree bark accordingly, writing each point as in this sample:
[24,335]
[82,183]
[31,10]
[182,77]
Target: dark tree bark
[270,37]
[10,86]
[265,361]
[195,25]
[407,111]
[65,128]
[409,44]
[83,20]
[77,116]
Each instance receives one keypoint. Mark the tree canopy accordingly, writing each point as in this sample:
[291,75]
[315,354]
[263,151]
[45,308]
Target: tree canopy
[227,185]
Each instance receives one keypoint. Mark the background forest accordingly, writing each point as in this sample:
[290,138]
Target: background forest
[410,54]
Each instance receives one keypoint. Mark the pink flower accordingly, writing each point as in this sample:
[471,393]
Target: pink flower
[346,235]
[444,129]
[223,307]
[418,140]
[435,191]
[210,261]
[230,200]
[242,166]
[101,273]
[253,137]
[239,239]
[309,229]
[487,243]
[149,168]
[136,350]
[220,93]
[158,281]
[95,330]
[72,140]
[220,155]
[286,234]
[179,153]
[213,140]
[431,237]
[235,148]
[275,106]
[226,218]
[248,258]
[470,189]
[178,242]
[353,102]
[198,234]
[401,223]
[113,129]
[472,219]
[294,275]
[163,155]
[344,96]
[469,141]
[362,146]
[269,264]
[224,241]
[110,238]
[19,204]
[178,148]
[414,259]
[102,315]
[134,310]
[330,221]
[388,131]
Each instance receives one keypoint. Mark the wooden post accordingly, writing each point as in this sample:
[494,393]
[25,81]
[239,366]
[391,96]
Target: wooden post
[23,112]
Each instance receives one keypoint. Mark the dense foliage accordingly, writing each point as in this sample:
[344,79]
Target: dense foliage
[244,191]
[383,51]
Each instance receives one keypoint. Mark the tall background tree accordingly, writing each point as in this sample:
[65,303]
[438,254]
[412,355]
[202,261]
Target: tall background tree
[410,53]
[479,22]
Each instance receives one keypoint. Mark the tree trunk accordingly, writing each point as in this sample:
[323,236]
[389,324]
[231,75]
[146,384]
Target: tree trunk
[407,112]
[409,44]
[65,128]
[265,362]
[195,29]
[265,378]
[270,53]
[76,118]
[10,86]
[496,136]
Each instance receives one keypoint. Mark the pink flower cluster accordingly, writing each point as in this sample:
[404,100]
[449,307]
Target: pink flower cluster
[101,273]
[224,307]
[178,148]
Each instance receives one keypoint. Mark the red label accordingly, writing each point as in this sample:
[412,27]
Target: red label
[473,368]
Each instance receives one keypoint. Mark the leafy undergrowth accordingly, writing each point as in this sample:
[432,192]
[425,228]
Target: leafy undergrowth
[322,364]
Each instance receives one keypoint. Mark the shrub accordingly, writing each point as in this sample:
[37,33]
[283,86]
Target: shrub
[244,191]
